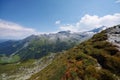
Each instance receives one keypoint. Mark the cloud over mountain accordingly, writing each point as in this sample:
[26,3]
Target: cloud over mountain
[89,22]
[10,30]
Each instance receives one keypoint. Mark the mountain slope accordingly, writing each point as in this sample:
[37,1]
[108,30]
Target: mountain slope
[24,70]
[95,59]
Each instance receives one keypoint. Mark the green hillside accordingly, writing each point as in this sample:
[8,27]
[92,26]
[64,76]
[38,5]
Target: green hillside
[94,59]
[37,48]
[41,47]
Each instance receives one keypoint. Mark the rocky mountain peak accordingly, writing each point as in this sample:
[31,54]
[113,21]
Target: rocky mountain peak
[96,30]
[113,34]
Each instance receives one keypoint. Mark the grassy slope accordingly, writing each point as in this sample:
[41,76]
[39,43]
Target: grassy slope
[21,70]
[13,68]
[95,59]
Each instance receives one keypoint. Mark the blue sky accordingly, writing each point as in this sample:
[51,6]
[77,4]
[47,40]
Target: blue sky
[55,15]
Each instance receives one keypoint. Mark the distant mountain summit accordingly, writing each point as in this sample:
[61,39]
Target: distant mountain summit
[96,30]
[64,32]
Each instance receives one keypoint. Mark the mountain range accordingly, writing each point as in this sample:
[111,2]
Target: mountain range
[37,46]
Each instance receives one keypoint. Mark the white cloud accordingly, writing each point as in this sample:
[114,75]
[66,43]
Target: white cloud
[68,27]
[117,1]
[89,22]
[10,30]
[58,22]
